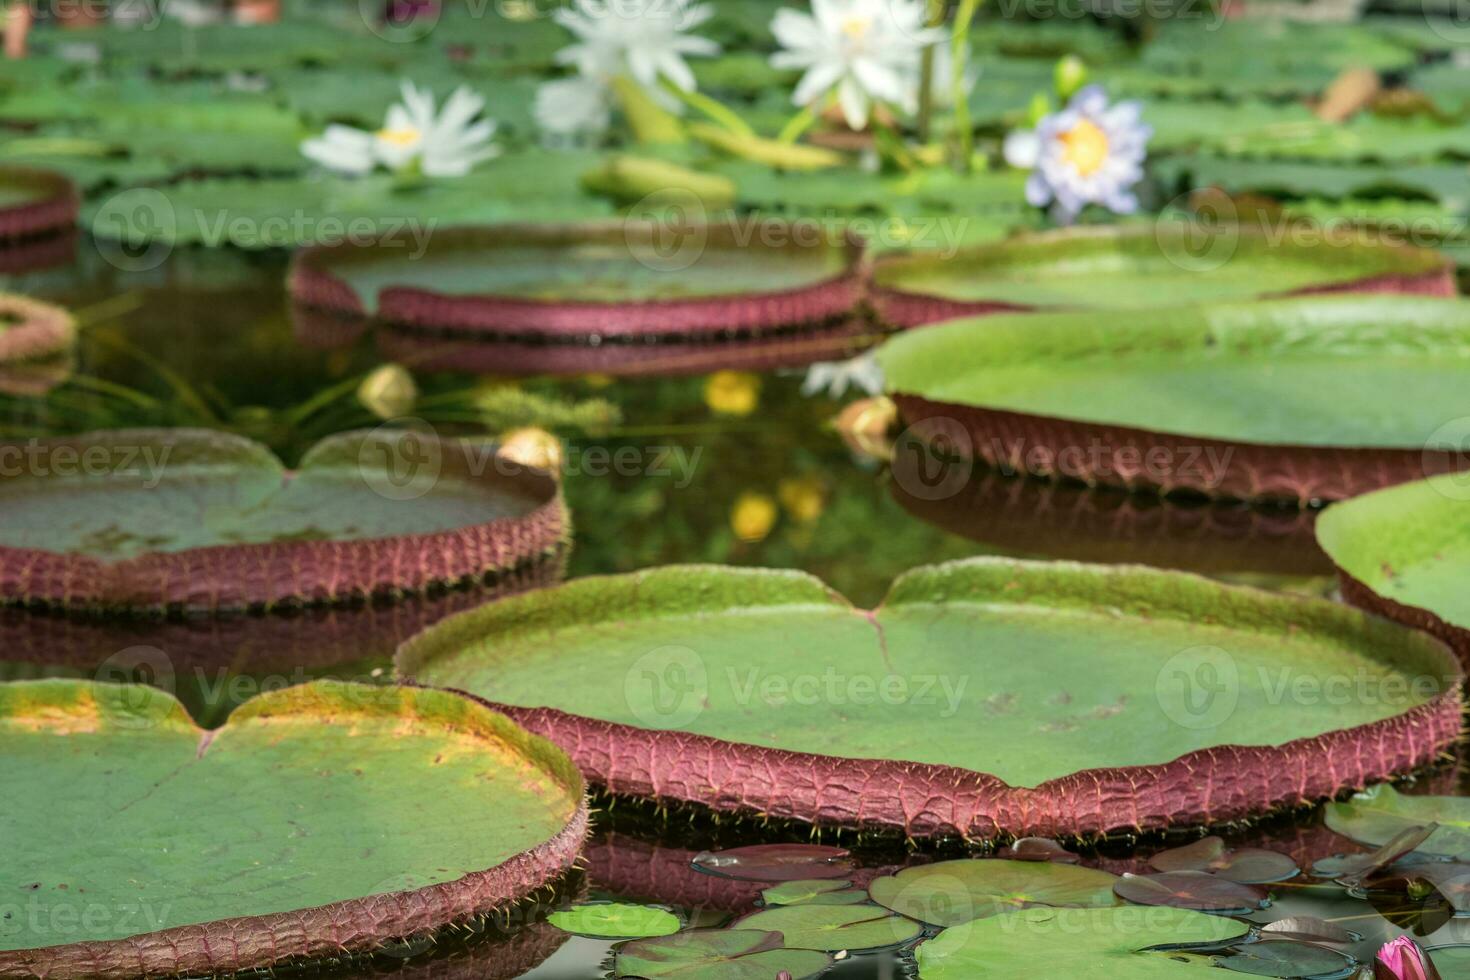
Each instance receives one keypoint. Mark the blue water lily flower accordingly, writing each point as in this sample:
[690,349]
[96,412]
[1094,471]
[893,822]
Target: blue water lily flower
[1088,153]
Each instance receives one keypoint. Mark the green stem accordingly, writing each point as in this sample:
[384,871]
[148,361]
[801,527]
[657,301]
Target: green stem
[650,122]
[926,73]
[959,47]
[715,111]
[799,123]
[890,143]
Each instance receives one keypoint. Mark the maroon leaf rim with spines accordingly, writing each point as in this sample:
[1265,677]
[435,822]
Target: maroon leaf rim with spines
[1165,462]
[255,577]
[313,284]
[341,928]
[1358,593]
[905,309]
[56,209]
[1201,788]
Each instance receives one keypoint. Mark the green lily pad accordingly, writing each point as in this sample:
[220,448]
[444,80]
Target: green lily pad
[814,892]
[1452,961]
[677,666]
[188,519]
[1102,942]
[717,954]
[615,920]
[949,893]
[1297,399]
[832,928]
[326,818]
[1380,813]
[1156,264]
[1403,553]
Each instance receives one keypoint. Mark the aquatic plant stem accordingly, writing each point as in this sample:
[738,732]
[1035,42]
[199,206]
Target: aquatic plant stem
[798,124]
[959,47]
[714,110]
[926,73]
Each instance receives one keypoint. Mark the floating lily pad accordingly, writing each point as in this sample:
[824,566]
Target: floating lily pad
[1381,813]
[1279,958]
[1404,552]
[776,862]
[615,920]
[1452,961]
[1353,868]
[1250,865]
[631,282]
[842,716]
[718,954]
[1191,890]
[1294,400]
[832,928]
[34,203]
[1040,849]
[949,893]
[815,891]
[31,330]
[421,808]
[1041,942]
[1157,264]
[190,520]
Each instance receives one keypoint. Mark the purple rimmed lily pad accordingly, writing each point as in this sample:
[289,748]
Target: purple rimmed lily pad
[1250,865]
[468,814]
[1121,267]
[1190,890]
[35,204]
[653,680]
[777,862]
[596,283]
[188,520]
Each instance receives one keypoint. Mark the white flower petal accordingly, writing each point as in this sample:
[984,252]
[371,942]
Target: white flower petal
[1022,149]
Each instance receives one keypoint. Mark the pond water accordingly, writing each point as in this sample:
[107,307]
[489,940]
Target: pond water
[741,469]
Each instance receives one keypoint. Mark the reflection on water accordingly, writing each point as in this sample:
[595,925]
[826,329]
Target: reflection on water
[206,339]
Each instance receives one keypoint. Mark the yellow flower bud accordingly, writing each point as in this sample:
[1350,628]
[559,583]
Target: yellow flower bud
[753,516]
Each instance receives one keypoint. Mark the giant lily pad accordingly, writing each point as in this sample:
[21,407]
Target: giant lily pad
[1107,942]
[1295,400]
[628,283]
[320,820]
[1403,553]
[1155,264]
[982,696]
[34,203]
[193,520]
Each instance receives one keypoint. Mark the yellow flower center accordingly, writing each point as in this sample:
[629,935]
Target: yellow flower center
[856,28]
[1085,147]
[400,137]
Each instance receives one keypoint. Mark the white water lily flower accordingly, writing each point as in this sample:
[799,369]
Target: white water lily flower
[583,103]
[447,143]
[645,39]
[1088,153]
[868,50]
[835,377]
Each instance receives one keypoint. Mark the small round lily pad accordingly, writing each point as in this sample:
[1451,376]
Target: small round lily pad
[614,283]
[1158,263]
[949,893]
[717,954]
[135,521]
[324,819]
[1293,401]
[1404,553]
[35,203]
[615,920]
[1102,696]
